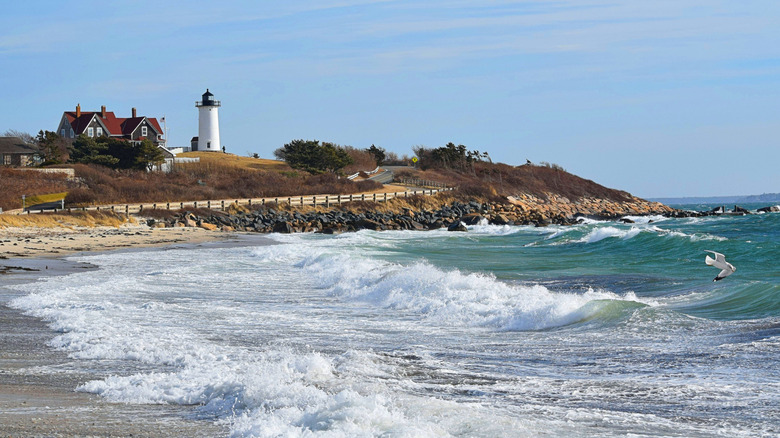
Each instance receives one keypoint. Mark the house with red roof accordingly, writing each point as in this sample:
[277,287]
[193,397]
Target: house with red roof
[99,123]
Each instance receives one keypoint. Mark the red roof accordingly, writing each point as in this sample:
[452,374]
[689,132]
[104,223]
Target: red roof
[116,126]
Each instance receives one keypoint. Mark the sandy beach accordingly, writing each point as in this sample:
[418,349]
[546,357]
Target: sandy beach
[54,242]
[36,403]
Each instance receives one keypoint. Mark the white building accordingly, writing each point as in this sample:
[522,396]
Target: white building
[208,124]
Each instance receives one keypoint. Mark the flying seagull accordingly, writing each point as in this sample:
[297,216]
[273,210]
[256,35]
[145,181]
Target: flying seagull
[720,263]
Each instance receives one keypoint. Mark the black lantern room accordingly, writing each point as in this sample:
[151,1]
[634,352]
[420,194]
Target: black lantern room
[208,100]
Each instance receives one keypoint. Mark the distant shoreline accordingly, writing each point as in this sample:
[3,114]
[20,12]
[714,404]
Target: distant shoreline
[742,199]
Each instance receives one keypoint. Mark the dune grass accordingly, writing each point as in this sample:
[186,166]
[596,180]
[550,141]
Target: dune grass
[65,220]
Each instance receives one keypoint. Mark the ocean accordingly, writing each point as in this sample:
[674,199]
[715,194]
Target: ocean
[598,329]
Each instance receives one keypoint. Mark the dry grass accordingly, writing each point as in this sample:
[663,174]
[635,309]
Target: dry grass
[59,220]
[496,181]
[15,183]
[237,161]
[196,181]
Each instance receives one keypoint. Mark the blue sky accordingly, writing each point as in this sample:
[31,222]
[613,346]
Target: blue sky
[659,98]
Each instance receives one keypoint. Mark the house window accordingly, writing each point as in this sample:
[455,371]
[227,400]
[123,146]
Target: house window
[62,132]
[143,131]
[7,160]
[72,134]
[99,131]
[91,132]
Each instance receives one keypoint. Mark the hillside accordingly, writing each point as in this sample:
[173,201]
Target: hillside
[501,180]
[216,176]
[547,190]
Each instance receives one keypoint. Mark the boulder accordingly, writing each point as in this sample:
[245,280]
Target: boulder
[190,220]
[368,224]
[471,219]
[457,226]
[207,226]
[499,219]
[283,227]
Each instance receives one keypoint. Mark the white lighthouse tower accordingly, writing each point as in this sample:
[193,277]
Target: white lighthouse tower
[208,123]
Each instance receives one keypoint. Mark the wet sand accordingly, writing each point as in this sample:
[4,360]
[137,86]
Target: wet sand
[37,383]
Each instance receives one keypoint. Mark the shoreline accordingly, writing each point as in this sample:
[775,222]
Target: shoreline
[38,382]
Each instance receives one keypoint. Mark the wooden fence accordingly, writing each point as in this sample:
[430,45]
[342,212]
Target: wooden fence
[416,182]
[222,204]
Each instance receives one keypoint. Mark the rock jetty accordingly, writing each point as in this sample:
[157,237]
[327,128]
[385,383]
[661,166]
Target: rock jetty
[452,216]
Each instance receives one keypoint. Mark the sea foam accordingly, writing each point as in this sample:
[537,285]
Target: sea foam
[446,297]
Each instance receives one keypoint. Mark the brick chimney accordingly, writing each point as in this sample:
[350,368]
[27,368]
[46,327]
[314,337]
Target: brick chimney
[103,111]
[78,110]
[133,112]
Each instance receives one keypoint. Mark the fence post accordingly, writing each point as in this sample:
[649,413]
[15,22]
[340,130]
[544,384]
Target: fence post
[385,196]
[195,204]
[208,204]
[350,197]
[339,199]
[250,202]
[223,205]
[374,197]
[327,201]
[314,200]
[289,201]
[167,205]
[154,206]
[301,201]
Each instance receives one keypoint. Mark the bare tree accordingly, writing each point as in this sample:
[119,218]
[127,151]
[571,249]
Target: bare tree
[24,136]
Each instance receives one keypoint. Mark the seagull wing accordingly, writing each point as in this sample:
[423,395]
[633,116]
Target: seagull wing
[719,261]
[724,273]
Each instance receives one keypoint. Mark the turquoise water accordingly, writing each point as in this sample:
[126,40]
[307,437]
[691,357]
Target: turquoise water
[598,329]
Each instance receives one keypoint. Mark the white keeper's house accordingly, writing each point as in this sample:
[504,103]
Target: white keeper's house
[99,123]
